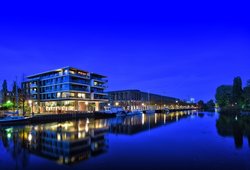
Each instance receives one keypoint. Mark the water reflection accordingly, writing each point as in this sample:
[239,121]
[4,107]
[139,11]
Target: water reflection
[136,124]
[238,127]
[65,143]
[74,141]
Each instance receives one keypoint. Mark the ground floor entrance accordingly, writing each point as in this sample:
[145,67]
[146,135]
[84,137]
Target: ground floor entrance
[68,106]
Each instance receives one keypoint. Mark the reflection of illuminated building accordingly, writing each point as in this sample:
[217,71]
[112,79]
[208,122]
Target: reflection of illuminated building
[67,142]
[75,141]
[136,124]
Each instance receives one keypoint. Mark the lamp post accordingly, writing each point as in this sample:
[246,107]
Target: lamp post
[31,105]
[177,104]
[87,104]
[143,106]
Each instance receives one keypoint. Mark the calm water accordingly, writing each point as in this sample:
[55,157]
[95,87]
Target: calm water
[183,140]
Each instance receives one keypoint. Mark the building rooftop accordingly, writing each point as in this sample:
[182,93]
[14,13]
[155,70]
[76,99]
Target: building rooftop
[136,90]
[60,69]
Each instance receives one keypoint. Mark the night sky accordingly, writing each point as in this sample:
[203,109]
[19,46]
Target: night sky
[177,49]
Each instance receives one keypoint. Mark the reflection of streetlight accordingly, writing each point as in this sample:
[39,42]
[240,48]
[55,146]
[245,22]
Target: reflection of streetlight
[30,137]
[8,135]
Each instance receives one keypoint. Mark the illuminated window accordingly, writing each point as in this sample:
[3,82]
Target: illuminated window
[72,72]
[82,95]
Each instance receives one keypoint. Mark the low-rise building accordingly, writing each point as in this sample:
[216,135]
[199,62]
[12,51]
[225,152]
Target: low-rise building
[65,90]
[136,99]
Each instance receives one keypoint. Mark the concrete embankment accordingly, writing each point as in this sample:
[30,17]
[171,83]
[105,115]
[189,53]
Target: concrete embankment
[47,118]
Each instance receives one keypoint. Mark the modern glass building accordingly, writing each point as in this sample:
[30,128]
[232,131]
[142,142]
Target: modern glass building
[65,90]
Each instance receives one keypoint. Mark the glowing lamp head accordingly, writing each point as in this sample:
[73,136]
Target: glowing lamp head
[30,101]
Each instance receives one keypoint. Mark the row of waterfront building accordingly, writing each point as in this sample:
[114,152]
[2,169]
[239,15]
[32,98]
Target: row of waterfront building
[70,89]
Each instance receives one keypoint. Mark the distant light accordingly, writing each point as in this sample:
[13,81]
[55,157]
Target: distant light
[108,104]
[8,135]
[116,103]
[142,104]
[236,118]
[87,103]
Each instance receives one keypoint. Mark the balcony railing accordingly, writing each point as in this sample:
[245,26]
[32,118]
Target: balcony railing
[79,81]
[33,85]
[101,97]
[79,89]
[33,92]
[100,79]
[100,86]
[79,75]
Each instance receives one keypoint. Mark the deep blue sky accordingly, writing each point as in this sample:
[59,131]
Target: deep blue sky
[177,49]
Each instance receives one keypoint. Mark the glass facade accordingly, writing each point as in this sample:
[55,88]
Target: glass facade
[66,84]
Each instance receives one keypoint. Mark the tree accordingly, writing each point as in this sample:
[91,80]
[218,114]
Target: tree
[4,91]
[23,97]
[246,95]
[248,83]
[13,93]
[237,97]
[210,104]
[224,95]
[7,105]
[201,104]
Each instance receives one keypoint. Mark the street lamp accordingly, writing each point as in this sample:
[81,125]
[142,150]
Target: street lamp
[31,105]
[116,103]
[87,103]
[142,106]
